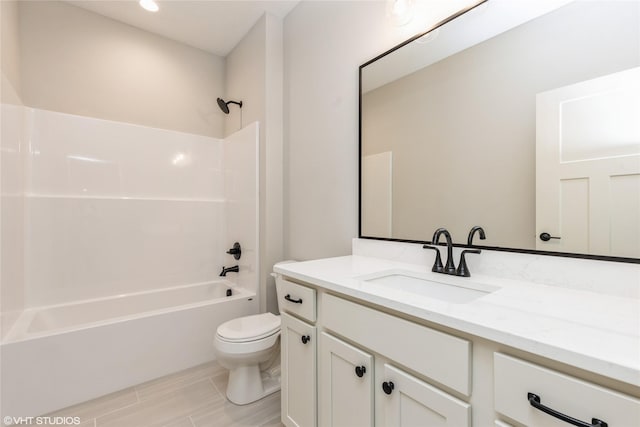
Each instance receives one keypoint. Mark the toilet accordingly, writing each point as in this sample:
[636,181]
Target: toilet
[249,347]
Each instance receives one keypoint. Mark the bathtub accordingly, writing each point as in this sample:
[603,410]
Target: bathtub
[60,355]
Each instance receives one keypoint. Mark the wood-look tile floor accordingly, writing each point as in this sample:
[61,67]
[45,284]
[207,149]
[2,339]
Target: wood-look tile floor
[191,398]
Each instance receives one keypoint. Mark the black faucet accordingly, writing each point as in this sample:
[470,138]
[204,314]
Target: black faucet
[474,230]
[226,270]
[449,267]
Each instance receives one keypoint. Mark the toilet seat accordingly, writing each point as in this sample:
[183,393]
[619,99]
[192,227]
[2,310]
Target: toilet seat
[249,328]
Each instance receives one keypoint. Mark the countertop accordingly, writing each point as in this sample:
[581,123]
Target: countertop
[595,332]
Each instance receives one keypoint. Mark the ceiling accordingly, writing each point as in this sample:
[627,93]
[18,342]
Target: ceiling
[215,26]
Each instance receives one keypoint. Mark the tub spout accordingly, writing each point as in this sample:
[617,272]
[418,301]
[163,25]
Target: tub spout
[226,270]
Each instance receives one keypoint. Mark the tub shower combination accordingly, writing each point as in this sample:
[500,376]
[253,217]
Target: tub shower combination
[78,339]
[64,354]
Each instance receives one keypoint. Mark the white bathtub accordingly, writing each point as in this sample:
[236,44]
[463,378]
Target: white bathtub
[61,355]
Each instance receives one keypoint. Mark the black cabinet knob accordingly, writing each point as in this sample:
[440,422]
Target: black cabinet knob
[360,370]
[387,387]
[306,339]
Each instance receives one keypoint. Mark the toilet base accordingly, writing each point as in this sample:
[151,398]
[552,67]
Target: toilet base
[247,384]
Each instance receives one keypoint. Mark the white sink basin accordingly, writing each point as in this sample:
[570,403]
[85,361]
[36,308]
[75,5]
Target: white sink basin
[454,290]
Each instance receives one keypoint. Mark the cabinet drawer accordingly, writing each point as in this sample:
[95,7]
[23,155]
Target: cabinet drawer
[515,379]
[296,299]
[442,357]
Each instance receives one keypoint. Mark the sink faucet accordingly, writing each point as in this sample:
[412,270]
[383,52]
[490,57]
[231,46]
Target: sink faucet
[474,230]
[226,270]
[449,267]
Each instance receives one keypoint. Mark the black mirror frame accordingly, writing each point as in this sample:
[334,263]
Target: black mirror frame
[493,248]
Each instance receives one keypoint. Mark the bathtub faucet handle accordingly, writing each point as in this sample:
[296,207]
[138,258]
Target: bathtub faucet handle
[226,270]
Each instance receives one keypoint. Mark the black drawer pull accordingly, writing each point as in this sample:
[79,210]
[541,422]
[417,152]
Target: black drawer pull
[360,370]
[534,400]
[295,301]
[387,387]
[307,338]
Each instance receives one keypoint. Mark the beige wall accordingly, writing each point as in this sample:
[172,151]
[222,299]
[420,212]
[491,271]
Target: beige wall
[75,61]
[10,53]
[273,158]
[254,76]
[462,131]
[325,43]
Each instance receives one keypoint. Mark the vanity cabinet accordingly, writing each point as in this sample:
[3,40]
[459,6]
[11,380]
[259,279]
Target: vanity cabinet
[298,340]
[378,367]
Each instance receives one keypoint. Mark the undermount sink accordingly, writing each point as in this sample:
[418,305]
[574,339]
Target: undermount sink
[451,289]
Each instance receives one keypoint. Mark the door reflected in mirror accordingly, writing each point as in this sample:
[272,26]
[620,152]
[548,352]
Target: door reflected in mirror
[452,123]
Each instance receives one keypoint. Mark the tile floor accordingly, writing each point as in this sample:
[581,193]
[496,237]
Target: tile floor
[190,398]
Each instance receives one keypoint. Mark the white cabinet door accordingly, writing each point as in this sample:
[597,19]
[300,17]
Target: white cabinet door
[298,372]
[411,402]
[346,384]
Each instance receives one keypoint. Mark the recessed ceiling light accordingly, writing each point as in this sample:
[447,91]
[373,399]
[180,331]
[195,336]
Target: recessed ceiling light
[400,11]
[149,5]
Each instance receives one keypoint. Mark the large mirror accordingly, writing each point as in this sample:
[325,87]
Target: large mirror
[522,117]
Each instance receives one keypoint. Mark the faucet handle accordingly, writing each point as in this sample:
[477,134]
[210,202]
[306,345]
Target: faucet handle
[463,270]
[437,265]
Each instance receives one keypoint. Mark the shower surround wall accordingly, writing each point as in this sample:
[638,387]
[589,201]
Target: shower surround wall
[115,208]
[126,230]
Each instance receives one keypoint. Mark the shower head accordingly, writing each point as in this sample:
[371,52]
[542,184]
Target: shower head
[224,106]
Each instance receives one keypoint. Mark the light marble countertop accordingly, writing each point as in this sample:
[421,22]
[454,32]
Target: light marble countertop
[595,332]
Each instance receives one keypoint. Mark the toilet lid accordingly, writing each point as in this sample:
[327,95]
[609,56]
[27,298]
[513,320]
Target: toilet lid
[249,328]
